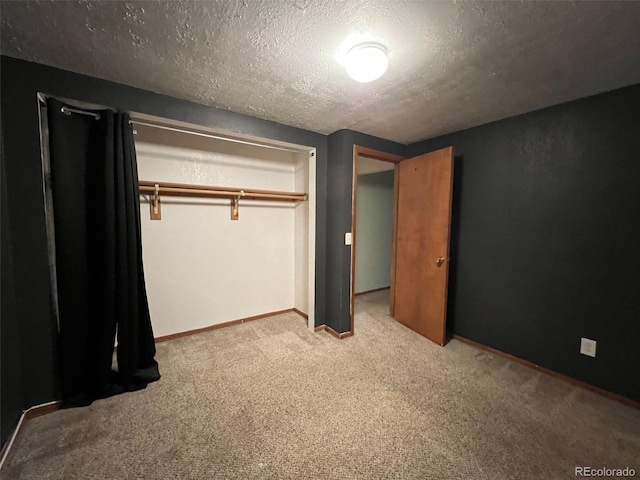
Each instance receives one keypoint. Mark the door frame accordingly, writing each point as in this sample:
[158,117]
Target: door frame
[360,151]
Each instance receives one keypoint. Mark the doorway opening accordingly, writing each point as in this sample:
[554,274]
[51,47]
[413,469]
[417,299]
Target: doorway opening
[421,221]
[230,266]
[372,224]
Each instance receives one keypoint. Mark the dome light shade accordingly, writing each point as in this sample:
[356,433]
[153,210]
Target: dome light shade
[366,62]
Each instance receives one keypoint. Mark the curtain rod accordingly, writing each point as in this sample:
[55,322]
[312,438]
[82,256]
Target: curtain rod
[216,137]
[70,110]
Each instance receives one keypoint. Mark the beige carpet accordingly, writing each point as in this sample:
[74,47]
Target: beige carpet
[268,399]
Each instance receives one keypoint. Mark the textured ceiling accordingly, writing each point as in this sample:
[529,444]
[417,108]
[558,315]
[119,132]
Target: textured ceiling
[453,65]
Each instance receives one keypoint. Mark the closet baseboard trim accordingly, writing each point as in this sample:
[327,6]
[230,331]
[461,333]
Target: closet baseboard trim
[319,328]
[339,336]
[28,414]
[578,383]
[173,336]
[372,291]
[301,313]
[40,410]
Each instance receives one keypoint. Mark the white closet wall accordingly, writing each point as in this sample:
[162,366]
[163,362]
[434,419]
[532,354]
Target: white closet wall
[301,237]
[201,267]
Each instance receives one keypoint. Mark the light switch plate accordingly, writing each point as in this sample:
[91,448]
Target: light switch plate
[347,238]
[588,347]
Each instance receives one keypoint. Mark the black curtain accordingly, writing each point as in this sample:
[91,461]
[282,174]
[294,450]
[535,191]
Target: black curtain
[98,256]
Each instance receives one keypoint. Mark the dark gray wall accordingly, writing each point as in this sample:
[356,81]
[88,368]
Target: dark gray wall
[20,83]
[11,395]
[339,186]
[546,237]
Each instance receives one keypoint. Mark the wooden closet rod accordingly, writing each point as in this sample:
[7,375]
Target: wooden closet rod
[190,190]
[156,189]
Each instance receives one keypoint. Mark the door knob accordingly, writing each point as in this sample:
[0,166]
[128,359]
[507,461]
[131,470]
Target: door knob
[439,261]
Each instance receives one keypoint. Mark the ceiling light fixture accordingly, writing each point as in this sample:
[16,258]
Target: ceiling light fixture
[366,61]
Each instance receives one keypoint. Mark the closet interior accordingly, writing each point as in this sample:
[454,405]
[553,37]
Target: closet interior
[228,226]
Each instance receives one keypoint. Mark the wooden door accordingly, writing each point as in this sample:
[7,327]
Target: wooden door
[421,243]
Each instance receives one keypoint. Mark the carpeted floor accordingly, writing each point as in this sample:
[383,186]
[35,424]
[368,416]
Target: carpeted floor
[268,399]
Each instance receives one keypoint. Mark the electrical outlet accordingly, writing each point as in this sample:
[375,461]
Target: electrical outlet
[347,238]
[588,347]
